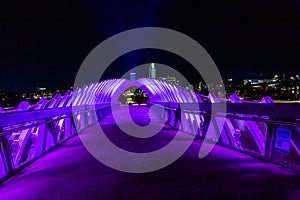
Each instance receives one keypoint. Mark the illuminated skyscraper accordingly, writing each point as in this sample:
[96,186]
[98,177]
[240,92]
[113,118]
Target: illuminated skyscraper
[152,71]
[133,76]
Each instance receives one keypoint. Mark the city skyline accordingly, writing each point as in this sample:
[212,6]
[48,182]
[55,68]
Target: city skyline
[43,43]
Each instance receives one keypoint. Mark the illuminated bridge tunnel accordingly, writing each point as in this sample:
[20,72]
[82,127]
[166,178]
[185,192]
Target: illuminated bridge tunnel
[44,154]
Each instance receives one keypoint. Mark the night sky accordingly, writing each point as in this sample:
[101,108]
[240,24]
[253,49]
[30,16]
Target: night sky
[43,43]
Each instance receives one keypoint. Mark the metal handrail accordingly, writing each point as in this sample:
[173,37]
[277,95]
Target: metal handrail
[262,122]
[259,109]
[25,125]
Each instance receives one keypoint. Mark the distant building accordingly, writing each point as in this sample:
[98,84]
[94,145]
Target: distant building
[258,81]
[171,79]
[133,76]
[152,71]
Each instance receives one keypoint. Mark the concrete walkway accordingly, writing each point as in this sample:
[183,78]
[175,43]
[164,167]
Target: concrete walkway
[71,172]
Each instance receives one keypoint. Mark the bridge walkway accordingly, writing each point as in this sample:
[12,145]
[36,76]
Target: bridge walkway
[71,172]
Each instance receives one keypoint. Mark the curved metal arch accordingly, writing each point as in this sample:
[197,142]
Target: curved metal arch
[109,91]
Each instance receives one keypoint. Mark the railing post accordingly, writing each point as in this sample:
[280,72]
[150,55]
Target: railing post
[68,126]
[5,146]
[169,112]
[177,116]
[206,123]
[269,139]
[237,135]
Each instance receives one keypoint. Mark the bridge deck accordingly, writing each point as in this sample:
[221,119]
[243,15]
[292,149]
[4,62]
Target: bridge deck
[70,172]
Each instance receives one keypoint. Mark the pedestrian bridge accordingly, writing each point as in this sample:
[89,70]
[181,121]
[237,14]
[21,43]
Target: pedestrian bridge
[44,153]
